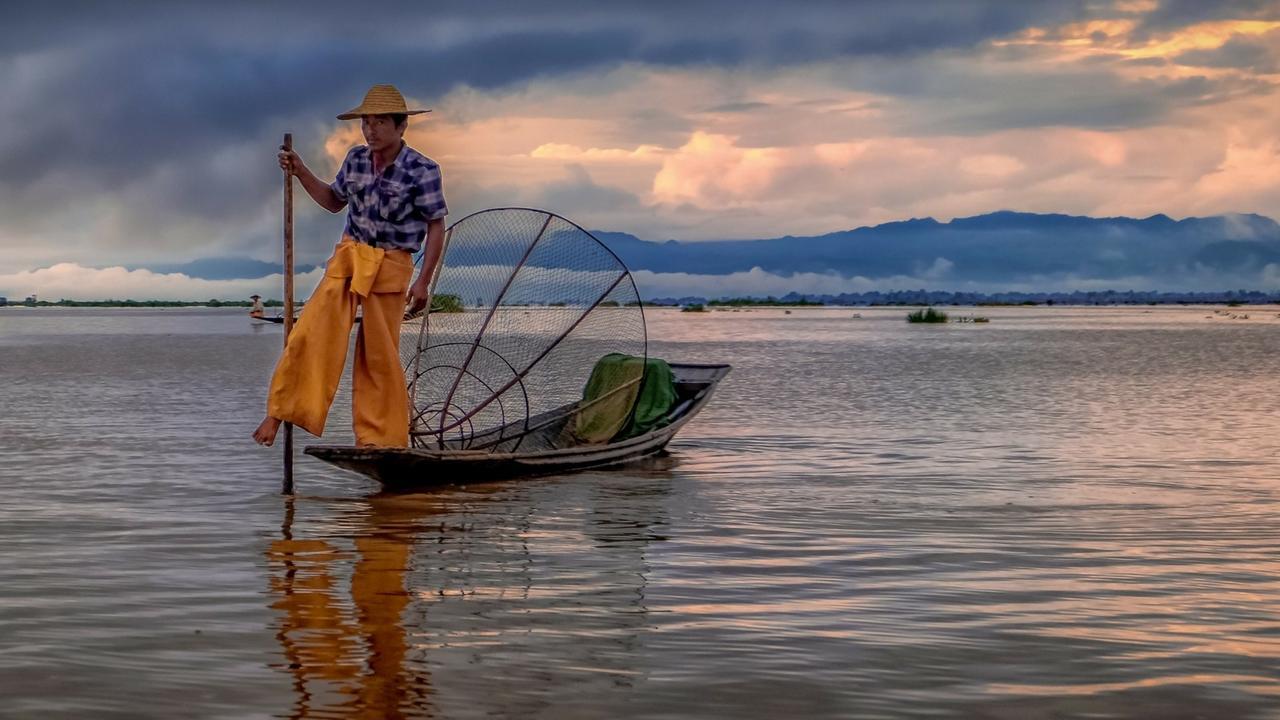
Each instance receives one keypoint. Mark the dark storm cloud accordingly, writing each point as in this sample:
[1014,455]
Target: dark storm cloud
[674,31]
[942,100]
[125,86]
[1171,14]
[121,107]
[173,108]
[1238,53]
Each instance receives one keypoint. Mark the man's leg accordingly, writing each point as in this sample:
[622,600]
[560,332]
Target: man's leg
[380,400]
[307,375]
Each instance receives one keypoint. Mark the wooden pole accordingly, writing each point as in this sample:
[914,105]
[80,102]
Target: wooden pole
[288,304]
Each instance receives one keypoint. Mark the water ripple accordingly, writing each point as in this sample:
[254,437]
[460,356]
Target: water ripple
[1043,518]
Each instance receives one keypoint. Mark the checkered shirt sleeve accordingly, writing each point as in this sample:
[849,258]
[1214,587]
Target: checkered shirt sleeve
[430,198]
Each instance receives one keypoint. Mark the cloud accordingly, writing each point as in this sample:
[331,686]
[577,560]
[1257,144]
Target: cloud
[122,97]
[713,170]
[731,107]
[1180,13]
[759,283]
[1240,53]
[959,98]
[75,282]
[147,132]
[938,270]
[561,151]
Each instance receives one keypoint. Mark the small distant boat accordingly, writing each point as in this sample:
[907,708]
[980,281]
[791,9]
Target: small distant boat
[406,468]
[279,319]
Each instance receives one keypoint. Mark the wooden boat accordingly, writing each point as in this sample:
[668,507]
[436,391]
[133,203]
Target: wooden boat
[538,311]
[407,468]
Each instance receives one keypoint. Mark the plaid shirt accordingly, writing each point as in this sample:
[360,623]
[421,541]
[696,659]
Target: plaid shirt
[390,210]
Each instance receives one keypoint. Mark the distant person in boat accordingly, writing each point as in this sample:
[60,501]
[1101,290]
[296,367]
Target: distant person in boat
[257,310]
[395,201]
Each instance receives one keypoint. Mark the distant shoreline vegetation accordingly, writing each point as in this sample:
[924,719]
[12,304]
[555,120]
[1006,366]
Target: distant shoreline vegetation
[892,298]
[146,303]
[443,302]
[769,301]
[926,298]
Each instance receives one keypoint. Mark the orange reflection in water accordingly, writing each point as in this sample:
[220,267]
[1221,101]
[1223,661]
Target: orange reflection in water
[348,659]
[390,600]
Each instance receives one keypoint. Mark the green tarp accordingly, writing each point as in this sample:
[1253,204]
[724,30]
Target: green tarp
[618,384]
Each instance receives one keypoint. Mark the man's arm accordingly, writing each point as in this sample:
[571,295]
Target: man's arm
[419,291]
[318,189]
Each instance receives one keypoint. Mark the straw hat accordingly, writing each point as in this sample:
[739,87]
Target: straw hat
[380,100]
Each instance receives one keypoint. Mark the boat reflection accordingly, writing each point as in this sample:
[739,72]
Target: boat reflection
[382,601]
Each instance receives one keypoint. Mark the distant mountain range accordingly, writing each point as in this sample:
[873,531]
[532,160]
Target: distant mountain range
[992,248]
[999,246]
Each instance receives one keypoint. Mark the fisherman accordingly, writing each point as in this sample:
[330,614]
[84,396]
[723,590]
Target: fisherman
[257,310]
[394,200]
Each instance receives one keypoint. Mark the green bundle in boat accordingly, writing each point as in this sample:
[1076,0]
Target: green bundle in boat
[625,396]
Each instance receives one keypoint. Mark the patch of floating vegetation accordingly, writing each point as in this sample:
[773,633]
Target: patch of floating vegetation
[927,315]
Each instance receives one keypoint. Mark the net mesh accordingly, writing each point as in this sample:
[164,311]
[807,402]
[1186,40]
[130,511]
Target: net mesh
[525,304]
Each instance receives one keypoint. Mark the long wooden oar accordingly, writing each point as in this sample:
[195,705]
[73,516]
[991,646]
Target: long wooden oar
[288,304]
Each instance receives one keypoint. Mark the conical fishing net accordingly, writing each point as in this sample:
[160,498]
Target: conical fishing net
[525,306]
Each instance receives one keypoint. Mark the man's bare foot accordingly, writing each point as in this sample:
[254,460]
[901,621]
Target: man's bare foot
[266,432]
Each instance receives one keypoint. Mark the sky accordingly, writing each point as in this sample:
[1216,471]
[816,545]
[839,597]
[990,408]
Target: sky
[144,133]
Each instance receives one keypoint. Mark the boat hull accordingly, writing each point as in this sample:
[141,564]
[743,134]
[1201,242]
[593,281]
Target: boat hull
[413,468]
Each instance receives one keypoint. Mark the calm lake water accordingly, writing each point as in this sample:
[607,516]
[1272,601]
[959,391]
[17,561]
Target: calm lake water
[1065,513]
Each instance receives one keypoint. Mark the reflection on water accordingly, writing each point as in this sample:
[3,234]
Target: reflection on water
[1065,513]
[400,586]
[348,659]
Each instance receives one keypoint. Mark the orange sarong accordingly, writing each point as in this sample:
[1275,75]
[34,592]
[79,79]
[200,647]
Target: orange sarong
[307,376]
